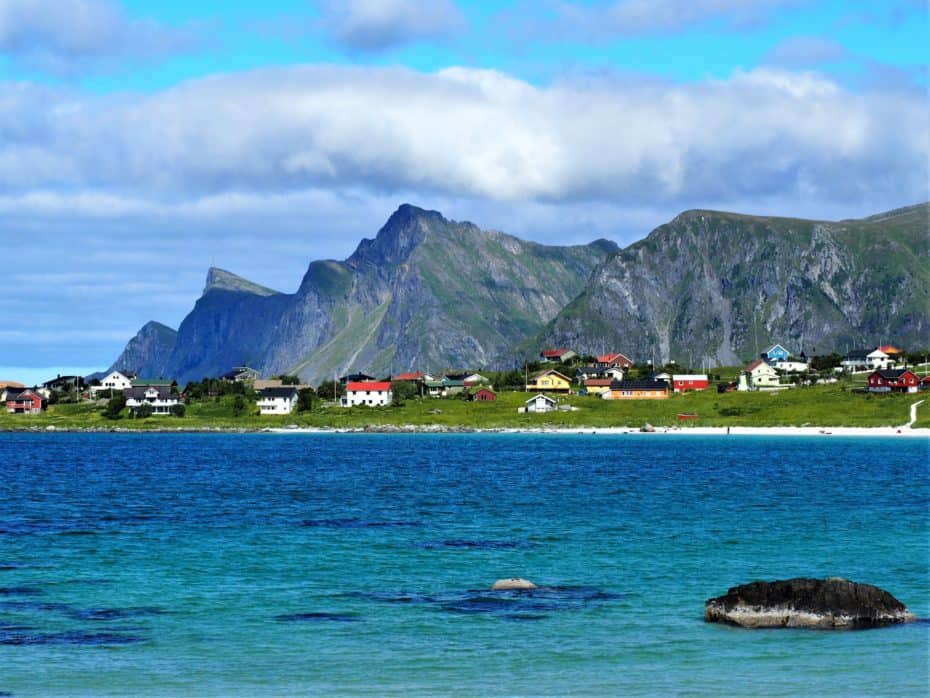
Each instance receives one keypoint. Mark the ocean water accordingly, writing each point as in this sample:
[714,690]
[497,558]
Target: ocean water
[360,564]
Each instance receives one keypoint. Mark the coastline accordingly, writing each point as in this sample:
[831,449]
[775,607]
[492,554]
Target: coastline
[887,431]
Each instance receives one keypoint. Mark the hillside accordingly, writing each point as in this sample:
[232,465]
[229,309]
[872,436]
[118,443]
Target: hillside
[721,287]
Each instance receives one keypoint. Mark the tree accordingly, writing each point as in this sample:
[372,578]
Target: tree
[403,390]
[238,406]
[115,406]
[143,411]
[305,398]
[330,390]
[178,410]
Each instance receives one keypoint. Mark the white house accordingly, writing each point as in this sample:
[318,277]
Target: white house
[758,376]
[789,366]
[115,380]
[277,400]
[159,397]
[371,393]
[862,360]
[540,403]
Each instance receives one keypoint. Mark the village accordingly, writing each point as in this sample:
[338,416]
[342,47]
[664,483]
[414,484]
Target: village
[555,375]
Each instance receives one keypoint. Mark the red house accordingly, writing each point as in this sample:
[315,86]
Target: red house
[685,382]
[613,361]
[24,402]
[483,395]
[896,380]
[408,377]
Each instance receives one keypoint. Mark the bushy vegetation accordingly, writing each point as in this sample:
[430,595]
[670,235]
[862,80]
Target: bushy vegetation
[820,405]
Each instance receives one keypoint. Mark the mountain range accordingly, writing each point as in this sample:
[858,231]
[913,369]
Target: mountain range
[431,294]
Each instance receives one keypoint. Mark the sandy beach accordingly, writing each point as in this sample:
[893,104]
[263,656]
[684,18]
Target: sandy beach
[897,432]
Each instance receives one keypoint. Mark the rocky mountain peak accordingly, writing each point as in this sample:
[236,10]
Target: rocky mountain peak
[222,280]
[407,228]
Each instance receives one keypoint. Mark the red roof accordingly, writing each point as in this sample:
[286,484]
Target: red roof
[754,365]
[889,349]
[551,353]
[598,382]
[361,386]
[417,375]
[614,358]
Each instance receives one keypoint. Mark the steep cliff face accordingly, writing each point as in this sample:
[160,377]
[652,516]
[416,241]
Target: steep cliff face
[426,292]
[720,287]
[150,349]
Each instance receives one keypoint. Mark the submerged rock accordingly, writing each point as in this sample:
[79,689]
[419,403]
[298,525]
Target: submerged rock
[512,583]
[832,603]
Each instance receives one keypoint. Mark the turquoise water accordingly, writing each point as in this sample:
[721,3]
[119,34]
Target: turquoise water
[359,564]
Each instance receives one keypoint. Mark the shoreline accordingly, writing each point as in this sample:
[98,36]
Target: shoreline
[887,432]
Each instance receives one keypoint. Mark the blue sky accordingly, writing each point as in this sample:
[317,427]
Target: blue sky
[142,142]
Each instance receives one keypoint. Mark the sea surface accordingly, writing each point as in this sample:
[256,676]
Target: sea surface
[290,564]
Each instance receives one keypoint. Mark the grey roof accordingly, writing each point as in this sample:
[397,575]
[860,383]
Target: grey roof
[138,392]
[283,391]
[892,373]
[859,353]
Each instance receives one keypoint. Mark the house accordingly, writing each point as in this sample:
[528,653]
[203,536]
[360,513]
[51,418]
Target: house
[413,377]
[277,400]
[583,373]
[8,387]
[775,353]
[64,384]
[371,393]
[474,379]
[539,403]
[159,396]
[614,361]
[663,376]
[597,386]
[452,384]
[433,388]
[550,380]
[891,350]
[24,401]
[758,376]
[894,380]
[355,378]
[682,382]
[791,365]
[241,374]
[482,395]
[866,360]
[925,383]
[650,389]
[153,382]
[114,380]
[557,355]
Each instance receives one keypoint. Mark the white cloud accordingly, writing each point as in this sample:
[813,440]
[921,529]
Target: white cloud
[378,25]
[230,143]
[72,36]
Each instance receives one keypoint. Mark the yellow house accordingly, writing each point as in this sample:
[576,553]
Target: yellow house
[597,386]
[551,381]
[637,390]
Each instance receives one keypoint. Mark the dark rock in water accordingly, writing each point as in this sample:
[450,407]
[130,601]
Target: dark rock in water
[20,591]
[316,617]
[806,603]
[69,637]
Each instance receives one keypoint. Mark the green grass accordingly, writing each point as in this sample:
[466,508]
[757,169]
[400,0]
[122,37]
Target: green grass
[812,406]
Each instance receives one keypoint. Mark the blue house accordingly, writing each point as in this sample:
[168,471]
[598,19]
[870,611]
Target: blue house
[776,353]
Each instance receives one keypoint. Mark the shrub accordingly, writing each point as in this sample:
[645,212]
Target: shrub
[143,411]
[115,406]
[178,410]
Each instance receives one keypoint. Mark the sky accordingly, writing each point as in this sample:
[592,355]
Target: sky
[143,141]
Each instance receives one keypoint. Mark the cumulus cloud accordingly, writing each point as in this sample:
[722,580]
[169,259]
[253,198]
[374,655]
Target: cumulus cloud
[68,37]
[378,25]
[464,132]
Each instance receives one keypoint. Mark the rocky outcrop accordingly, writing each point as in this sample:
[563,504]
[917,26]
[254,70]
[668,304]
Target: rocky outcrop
[148,352]
[512,584]
[806,603]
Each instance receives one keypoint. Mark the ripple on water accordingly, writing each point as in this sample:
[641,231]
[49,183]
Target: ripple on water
[317,617]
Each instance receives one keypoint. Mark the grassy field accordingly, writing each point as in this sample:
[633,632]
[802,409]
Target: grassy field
[829,405]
